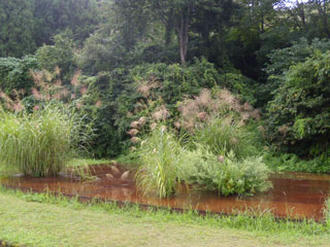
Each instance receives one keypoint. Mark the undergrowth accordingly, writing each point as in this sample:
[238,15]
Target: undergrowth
[292,163]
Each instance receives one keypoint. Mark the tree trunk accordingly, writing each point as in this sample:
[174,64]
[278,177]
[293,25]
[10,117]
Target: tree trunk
[301,14]
[183,38]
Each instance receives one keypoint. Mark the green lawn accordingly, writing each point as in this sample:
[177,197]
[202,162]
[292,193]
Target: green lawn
[42,220]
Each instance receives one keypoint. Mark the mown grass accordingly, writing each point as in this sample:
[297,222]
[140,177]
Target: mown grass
[45,220]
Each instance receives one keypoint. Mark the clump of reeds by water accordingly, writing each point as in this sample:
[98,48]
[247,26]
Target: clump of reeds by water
[39,143]
[160,159]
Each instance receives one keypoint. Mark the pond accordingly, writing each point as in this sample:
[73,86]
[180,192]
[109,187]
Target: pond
[294,195]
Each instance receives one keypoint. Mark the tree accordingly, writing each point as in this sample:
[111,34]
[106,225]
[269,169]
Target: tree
[299,114]
[180,15]
[55,16]
[15,74]
[17,27]
[59,55]
[130,18]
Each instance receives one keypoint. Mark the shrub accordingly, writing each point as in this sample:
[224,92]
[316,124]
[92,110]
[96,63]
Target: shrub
[291,162]
[210,104]
[175,80]
[281,60]
[160,159]
[129,94]
[39,143]
[298,116]
[241,85]
[15,73]
[225,175]
[59,55]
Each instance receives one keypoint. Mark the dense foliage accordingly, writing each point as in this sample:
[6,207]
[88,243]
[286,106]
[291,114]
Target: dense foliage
[228,176]
[299,114]
[245,77]
[15,73]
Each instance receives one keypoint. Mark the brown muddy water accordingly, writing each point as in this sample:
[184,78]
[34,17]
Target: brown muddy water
[294,195]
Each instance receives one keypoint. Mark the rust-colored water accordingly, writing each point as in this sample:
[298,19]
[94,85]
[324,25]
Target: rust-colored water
[294,195]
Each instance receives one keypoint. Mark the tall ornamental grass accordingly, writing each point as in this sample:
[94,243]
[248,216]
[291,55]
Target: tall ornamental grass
[160,160]
[39,143]
[224,135]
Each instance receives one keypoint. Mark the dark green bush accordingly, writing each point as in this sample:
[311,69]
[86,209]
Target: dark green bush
[177,81]
[281,60]
[299,115]
[123,101]
[59,55]
[15,73]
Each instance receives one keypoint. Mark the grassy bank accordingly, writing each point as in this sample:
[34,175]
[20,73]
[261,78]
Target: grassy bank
[43,220]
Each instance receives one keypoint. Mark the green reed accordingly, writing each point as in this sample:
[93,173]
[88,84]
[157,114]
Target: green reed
[39,143]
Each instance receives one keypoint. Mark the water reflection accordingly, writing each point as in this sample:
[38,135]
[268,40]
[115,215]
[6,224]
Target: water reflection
[294,195]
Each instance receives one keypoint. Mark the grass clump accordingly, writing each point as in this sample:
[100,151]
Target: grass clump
[39,143]
[327,213]
[160,158]
[165,162]
[223,135]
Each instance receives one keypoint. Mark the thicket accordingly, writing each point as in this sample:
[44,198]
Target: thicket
[299,115]
[15,73]
[128,65]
